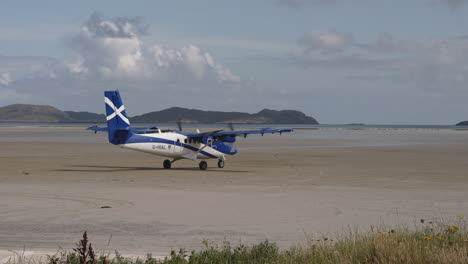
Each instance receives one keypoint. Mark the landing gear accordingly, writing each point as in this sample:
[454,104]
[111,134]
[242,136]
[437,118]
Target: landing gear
[167,164]
[203,165]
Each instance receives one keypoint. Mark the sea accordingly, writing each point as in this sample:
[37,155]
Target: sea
[251,126]
[334,135]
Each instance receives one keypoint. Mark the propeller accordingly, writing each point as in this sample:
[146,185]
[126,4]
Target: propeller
[231,126]
[179,124]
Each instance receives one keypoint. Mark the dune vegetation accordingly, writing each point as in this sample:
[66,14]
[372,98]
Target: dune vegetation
[429,242]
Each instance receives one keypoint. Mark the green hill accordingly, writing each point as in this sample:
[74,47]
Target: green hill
[45,113]
[174,114]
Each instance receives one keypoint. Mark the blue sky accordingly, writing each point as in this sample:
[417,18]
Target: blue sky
[400,62]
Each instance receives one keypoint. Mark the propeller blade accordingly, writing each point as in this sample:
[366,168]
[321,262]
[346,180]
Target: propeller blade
[231,126]
[179,124]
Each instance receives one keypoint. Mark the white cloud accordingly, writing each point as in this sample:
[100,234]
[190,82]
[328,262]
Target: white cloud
[113,54]
[191,62]
[297,4]
[259,46]
[112,49]
[386,43]
[107,49]
[5,78]
[26,66]
[326,41]
[453,4]
[301,3]
[432,63]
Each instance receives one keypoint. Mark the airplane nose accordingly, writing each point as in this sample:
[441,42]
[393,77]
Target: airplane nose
[233,150]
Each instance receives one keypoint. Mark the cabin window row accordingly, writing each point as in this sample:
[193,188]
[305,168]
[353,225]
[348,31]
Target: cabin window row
[189,140]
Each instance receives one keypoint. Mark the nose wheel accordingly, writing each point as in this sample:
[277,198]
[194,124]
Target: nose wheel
[221,164]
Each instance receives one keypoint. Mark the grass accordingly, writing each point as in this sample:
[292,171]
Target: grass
[429,242]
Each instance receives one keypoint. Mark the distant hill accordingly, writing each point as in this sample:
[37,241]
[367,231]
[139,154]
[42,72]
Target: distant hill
[45,113]
[174,114]
[463,123]
[85,116]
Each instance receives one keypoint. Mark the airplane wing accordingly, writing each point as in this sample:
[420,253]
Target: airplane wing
[204,134]
[218,134]
[235,133]
[134,129]
[255,131]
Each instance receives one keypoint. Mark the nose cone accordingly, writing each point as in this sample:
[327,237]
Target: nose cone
[233,150]
[224,148]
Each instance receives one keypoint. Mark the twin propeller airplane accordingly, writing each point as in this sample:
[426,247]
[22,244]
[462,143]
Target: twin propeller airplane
[176,145]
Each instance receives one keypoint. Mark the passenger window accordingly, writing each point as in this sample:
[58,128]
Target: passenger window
[185,140]
[178,140]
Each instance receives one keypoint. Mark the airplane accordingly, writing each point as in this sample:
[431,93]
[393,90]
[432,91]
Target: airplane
[173,144]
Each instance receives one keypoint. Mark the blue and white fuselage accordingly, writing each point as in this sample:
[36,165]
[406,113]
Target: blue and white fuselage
[167,143]
[177,145]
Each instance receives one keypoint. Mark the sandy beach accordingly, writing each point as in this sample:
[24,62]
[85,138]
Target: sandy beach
[54,181]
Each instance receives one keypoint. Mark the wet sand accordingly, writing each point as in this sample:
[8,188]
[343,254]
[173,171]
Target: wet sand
[54,181]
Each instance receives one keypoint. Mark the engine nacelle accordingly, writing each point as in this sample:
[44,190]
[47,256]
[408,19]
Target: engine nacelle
[208,140]
[229,139]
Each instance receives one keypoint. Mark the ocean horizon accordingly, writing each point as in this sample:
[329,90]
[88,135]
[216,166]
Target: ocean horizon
[243,125]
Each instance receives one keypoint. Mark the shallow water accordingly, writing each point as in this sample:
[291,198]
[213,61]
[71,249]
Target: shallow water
[335,136]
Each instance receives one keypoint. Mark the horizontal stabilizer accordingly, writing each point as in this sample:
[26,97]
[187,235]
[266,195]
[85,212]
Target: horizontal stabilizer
[96,128]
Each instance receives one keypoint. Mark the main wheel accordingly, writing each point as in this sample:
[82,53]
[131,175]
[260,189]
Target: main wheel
[203,165]
[167,164]
[220,163]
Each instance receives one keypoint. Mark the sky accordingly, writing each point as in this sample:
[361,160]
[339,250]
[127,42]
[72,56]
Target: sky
[339,61]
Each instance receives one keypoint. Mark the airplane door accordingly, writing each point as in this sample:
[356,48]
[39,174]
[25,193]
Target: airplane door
[177,148]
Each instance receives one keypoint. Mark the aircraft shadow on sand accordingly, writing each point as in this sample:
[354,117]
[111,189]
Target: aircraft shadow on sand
[109,168]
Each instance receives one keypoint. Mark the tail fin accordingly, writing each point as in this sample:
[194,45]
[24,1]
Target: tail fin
[118,124]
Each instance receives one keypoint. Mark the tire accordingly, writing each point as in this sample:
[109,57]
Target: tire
[221,164]
[167,164]
[203,165]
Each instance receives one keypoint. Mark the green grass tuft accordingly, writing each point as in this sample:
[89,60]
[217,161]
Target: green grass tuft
[429,242]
